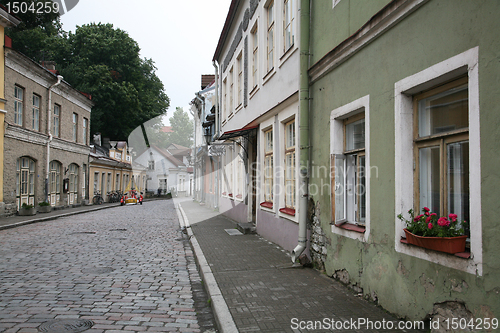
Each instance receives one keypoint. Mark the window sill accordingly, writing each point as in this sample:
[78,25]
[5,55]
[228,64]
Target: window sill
[238,108]
[462,255]
[253,91]
[268,76]
[288,211]
[266,204]
[287,54]
[352,227]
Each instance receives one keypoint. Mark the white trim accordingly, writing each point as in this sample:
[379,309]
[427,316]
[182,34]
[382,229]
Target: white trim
[466,62]
[337,147]
[3,111]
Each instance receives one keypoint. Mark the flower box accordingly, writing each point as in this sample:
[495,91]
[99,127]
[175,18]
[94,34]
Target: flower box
[27,211]
[44,209]
[450,245]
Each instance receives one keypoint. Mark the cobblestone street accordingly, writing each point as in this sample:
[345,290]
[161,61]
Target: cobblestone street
[120,269]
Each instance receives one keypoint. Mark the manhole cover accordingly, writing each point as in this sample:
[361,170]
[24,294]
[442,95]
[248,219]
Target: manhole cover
[66,325]
[98,270]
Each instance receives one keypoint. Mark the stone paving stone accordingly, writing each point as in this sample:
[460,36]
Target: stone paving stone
[121,280]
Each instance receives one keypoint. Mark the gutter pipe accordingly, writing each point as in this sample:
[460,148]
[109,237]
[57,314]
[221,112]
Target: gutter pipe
[217,132]
[49,124]
[195,155]
[303,127]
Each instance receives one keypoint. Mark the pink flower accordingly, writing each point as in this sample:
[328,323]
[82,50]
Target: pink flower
[426,209]
[418,217]
[434,214]
[453,217]
[428,219]
[443,221]
[430,226]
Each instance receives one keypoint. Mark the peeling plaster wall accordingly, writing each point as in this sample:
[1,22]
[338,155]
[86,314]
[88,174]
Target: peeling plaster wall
[410,287]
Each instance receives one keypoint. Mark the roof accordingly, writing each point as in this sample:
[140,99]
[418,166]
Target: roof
[206,80]
[227,26]
[168,156]
[167,129]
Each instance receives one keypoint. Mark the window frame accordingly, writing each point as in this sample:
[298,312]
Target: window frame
[36,113]
[75,127]
[270,37]
[268,171]
[450,68]
[85,129]
[56,121]
[239,91]
[288,25]
[441,141]
[255,57]
[290,151]
[353,110]
[19,105]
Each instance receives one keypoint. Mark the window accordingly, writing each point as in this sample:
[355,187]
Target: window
[85,129]
[18,105]
[96,182]
[75,127]
[268,167]
[350,169]
[55,178]
[350,178]
[36,113]
[441,150]
[231,91]
[25,181]
[255,56]
[240,172]
[290,165]
[117,182]
[240,79]
[288,29]
[270,36]
[73,183]
[162,185]
[108,188]
[56,119]
[225,101]
[418,125]
[151,165]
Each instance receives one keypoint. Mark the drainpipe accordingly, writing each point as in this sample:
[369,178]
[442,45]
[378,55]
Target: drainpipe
[217,131]
[303,127]
[49,124]
[202,182]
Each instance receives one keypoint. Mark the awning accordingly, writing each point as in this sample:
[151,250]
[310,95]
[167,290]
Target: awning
[235,133]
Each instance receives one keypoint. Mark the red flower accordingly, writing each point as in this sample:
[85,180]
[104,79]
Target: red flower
[443,221]
[428,219]
[426,209]
[453,217]
[430,226]
[418,217]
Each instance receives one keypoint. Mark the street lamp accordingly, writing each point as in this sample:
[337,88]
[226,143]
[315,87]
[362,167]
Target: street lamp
[208,135]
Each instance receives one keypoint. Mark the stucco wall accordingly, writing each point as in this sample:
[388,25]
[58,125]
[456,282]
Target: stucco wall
[437,31]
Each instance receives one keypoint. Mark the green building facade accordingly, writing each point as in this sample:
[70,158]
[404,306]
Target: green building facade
[404,97]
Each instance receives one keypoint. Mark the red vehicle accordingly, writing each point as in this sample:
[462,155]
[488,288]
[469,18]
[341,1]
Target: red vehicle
[131,197]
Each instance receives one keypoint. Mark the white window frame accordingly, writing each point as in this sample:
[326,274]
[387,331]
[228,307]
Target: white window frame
[239,91]
[454,67]
[255,57]
[75,127]
[270,32]
[288,25]
[36,112]
[337,117]
[231,92]
[18,105]
[84,131]
[56,126]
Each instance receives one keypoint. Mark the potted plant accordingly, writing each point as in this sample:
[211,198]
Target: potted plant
[44,207]
[427,230]
[27,210]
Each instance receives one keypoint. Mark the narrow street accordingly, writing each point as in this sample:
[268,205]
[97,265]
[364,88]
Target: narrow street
[126,268]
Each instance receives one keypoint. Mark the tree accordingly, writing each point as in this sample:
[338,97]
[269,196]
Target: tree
[37,32]
[182,128]
[104,62]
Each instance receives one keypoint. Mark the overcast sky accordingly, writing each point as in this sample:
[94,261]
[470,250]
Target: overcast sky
[180,36]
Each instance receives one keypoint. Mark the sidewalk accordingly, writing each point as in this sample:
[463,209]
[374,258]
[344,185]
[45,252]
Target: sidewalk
[254,287]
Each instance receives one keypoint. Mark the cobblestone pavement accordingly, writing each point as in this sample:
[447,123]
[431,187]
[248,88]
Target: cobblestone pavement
[120,269]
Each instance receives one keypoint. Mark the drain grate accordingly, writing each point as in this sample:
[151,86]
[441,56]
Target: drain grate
[66,325]
[98,270]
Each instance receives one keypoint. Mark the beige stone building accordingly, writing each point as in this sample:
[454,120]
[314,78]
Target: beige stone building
[46,138]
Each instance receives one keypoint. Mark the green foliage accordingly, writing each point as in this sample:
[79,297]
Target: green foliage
[43,204]
[36,33]
[26,206]
[104,62]
[429,224]
[182,128]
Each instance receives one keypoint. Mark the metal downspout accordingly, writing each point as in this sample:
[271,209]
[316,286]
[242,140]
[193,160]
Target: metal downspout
[303,127]
[217,133]
[202,184]
[49,124]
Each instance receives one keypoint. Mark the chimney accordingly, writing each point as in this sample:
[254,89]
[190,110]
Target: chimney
[206,79]
[97,139]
